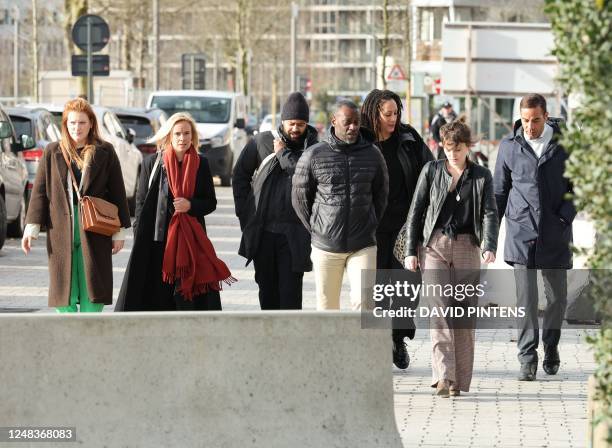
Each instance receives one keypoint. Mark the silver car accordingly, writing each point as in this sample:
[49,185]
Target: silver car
[13,179]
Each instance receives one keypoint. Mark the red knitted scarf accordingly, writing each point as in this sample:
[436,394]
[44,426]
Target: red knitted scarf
[189,255]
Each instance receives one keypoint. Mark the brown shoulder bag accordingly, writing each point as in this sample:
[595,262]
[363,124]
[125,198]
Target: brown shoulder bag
[97,215]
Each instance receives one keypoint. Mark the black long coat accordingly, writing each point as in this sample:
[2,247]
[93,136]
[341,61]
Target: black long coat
[530,192]
[143,273]
[254,198]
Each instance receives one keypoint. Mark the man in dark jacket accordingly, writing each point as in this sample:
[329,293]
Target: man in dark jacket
[530,192]
[339,193]
[446,114]
[273,237]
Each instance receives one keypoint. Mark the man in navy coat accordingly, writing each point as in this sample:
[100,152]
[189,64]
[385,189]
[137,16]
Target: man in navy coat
[530,190]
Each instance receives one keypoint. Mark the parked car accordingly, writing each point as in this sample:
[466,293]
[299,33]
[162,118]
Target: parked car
[112,131]
[40,126]
[220,118]
[144,122]
[130,157]
[251,127]
[266,123]
[13,179]
[55,110]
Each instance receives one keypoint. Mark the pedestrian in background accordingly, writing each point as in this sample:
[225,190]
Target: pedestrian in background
[531,189]
[173,264]
[455,197]
[273,236]
[445,115]
[340,189]
[405,154]
[80,262]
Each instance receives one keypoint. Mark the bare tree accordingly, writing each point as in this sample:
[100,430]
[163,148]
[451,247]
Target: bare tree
[408,58]
[130,21]
[35,50]
[245,25]
[385,41]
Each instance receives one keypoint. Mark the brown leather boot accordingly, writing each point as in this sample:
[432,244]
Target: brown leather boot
[442,389]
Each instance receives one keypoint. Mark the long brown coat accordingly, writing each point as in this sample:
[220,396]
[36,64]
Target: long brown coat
[50,206]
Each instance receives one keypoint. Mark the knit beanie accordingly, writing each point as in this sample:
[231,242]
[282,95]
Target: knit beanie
[295,108]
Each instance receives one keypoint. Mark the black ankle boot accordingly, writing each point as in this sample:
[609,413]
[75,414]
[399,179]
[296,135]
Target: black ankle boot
[551,360]
[400,354]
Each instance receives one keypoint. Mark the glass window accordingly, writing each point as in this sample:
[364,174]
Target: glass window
[57,119]
[108,124]
[23,126]
[5,142]
[141,125]
[431,23]
[53,133]
[202,109]
[503,116]
[118,126]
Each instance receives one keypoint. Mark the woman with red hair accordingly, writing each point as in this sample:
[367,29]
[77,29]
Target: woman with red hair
[80,262]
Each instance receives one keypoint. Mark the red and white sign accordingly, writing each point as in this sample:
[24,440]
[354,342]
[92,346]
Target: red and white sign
[396,74]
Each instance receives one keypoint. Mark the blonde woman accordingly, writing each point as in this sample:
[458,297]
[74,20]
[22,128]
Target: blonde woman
[173,265]
[80,263]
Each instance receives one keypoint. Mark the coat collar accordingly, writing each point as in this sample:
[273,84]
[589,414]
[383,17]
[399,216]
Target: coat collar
[549,151]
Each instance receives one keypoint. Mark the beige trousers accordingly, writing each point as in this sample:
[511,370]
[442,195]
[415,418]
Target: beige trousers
[329,269]
[452,348]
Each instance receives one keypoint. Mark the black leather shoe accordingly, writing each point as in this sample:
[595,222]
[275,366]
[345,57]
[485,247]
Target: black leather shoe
[400,354]
[551,360]
[528,372]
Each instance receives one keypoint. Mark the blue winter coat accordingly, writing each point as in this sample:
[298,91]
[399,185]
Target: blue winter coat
[530,193]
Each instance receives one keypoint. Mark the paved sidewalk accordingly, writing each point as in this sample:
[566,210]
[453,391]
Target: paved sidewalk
[499,411]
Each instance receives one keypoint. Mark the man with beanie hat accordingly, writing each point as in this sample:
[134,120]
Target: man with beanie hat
[273,236]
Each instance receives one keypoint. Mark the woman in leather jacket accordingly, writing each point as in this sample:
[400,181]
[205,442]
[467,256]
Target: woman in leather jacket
[452,223]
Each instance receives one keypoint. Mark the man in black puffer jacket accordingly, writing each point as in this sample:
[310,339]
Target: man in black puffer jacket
[339,193]
[273,236]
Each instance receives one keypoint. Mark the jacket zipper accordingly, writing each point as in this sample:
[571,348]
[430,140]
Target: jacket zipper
[540,237]
[541,211]
[348,201]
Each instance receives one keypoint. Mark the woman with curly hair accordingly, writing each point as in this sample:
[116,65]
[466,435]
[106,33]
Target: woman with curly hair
[405,153]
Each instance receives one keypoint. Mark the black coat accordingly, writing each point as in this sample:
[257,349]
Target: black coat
[431,192]
[436,124]
[254,152]
[530,193]
[413,154]
[340,193]
[144,266]
[269,194]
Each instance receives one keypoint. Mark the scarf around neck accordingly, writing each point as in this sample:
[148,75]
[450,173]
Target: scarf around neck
[189,256]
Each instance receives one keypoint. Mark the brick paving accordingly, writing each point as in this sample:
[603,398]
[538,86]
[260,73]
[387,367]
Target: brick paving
[499,411]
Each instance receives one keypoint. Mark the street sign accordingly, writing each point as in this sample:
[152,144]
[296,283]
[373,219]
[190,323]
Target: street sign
[100,33]
[100,62]
[90,33]
[396,74]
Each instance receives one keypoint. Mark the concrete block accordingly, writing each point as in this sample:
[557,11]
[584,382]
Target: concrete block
[223,379]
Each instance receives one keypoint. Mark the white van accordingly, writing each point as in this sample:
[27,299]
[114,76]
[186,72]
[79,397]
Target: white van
[220,117]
